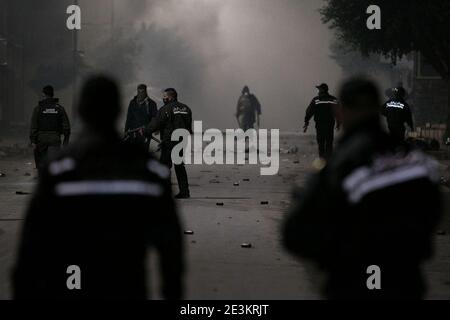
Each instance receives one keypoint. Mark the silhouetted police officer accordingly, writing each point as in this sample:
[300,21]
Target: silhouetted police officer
[141,111]
[49,121]
[99,206]
[397,113]
[173,115]
[248,110]
[323,108]
[374,204]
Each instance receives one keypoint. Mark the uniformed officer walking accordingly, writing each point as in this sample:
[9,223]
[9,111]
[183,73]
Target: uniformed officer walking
[367,219]
[397,113]
[323,108]
[173,115]
[101,203]
[248,111]
[49,121]
[141,111]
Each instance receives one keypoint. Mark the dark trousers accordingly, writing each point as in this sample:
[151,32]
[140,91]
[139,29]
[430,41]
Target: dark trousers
[180,170]
[397,133]
[41,153]
[139,141]
[325,137]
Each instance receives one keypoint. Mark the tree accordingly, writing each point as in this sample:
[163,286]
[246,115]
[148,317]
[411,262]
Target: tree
[406,26]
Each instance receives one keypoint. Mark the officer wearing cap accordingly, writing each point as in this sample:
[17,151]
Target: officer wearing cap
[100,205]
[374,205]
[323,108]
[48,123]
[397,113]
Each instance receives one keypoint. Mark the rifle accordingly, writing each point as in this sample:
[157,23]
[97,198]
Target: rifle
[129,132]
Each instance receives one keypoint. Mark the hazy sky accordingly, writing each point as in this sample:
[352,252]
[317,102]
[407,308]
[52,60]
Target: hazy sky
[210,49]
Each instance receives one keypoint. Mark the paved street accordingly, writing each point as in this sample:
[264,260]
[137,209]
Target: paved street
[218,268]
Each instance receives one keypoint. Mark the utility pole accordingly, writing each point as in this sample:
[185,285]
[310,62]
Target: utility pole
[75,69]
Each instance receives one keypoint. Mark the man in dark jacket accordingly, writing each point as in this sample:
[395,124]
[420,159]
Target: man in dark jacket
[248,110]
[99,206]
[173,115]
[49,121]
[323,108]
[373,207]
[141,111]
[397,113]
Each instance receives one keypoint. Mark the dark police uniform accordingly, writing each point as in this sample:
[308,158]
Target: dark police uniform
[373,204]
[397,113]
[323,109]
[248,107]
[48,123]
[99,206]
[172,116]
[139,115]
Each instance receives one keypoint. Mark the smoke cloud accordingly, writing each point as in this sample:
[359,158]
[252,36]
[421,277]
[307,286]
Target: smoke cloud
[210,49]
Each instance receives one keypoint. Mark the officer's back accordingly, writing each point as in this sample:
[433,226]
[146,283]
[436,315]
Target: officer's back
[374,204]
[99,205]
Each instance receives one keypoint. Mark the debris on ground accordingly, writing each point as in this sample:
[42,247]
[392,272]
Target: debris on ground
[219,203]
[293,150]
[214,181]
[22,193]
[236,184]
[246,179]
[188,232]
[193,241]
[296,161]
[264,202]
[27,174]
[246,245]
[2,175]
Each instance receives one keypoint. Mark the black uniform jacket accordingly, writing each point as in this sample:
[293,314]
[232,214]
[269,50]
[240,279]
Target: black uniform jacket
[49,117]
[324,110]
[373,204]
[397,113]
[99,206]
[172,116]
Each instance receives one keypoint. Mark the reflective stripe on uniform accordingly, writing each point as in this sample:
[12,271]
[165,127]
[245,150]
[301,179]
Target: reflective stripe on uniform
[327,102]
[388,171]
[108,187]
[159,169]
[395,105]
[380,181]
[58,167]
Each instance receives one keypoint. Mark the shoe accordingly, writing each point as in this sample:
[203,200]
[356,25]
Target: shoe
[182,196]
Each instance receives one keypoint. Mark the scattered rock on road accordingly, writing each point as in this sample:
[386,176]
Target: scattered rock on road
[246,245]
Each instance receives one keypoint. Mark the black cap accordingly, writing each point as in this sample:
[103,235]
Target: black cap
[48,91]
[323,86]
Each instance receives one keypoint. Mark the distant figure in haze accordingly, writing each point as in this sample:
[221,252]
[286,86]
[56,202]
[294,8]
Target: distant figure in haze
[99,206]
[248,110]
[48,123]
[141,111]
[397,113]
[374,204]
[323,108]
